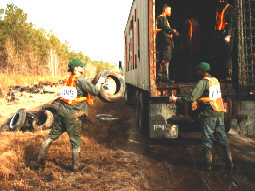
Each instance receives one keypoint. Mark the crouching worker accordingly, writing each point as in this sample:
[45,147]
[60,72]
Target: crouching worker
[211,110]
[74,102]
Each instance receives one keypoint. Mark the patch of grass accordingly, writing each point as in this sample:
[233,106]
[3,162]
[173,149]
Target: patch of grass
[22,80]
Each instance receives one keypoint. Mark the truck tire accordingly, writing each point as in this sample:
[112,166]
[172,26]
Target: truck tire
[137,107]
[18,120]
[53,108]
[119,80]
[128,94]
[43,120]
[99,116]
[143,124]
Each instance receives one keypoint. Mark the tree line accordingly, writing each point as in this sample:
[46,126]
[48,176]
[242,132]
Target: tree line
[25,49]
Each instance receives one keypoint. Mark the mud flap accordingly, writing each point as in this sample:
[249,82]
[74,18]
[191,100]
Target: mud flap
[159,115]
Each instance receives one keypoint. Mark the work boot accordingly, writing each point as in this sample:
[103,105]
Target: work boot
[45,147]
[207,158]
[228,156]
[76,153]
[228,71]
[167,73]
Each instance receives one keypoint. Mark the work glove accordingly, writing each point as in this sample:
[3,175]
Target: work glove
[227,38]
[173,99]
[96,78]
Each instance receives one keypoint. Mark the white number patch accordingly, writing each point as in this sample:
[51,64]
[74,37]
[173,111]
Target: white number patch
[214,92]
[68,92]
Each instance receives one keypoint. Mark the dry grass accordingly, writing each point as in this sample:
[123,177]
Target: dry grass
[22,80]
[108,167]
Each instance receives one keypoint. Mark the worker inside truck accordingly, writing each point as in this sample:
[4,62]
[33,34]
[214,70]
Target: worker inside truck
[165,45]
[195,20]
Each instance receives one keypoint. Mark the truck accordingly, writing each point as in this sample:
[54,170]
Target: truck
[155,115]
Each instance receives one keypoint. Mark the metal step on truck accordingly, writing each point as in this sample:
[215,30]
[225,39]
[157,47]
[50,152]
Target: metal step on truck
[155,115]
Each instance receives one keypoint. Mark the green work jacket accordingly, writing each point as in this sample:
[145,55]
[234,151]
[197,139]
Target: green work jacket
[79,109]
[205,108]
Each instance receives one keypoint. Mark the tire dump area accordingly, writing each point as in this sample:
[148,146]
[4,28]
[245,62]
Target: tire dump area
[115,155]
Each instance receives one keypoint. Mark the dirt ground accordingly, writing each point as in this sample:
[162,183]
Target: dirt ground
[117,157]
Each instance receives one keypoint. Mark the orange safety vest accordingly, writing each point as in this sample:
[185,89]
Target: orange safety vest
[190,28]
[71,82]
[220,19]
[214,98]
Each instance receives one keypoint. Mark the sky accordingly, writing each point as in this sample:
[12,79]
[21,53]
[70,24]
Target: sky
[94,27]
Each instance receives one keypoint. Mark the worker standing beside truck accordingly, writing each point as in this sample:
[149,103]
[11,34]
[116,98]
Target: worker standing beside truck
[211,110]
[74,102]
[224,38]
[164,44]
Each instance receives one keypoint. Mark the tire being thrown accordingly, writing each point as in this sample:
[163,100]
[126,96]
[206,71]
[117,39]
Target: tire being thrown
[18,120]
[43,120]
[104,94]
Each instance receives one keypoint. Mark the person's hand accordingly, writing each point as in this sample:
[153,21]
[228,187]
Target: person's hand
[100,81]
[227,38]
[173,99]
[96,78]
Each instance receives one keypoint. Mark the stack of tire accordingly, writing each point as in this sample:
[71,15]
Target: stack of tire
[23,120]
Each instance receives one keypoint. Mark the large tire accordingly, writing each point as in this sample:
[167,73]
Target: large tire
[137,107]
[43,120]
[128,94]
[53,108]
[18,120]
[119,80]
[28,122]
[143,124]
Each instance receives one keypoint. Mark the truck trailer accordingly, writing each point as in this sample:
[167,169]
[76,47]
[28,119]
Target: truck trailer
[155,115]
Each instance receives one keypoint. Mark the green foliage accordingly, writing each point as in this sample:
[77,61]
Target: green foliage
[25,49]
[101,65]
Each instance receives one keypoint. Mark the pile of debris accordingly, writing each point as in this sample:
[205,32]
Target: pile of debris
[11,93]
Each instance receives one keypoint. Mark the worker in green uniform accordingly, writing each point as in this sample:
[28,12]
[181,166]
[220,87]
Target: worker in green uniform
[211,110]
[76,95]
[164,44]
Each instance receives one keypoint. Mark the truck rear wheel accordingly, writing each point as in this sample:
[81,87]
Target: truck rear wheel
[143,124]
[137,107]
[128,94]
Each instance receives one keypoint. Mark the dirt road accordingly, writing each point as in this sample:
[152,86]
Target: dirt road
[117,157]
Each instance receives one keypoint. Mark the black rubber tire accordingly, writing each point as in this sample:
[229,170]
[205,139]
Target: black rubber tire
[143,124]
[99,116]
[18,120]
[119,80]
[43,120]
[110,121]
[137,107]
[28,121]
[4,128]
[53,108]
[128,94]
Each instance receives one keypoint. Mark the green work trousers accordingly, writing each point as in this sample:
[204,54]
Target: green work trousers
[69,125]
